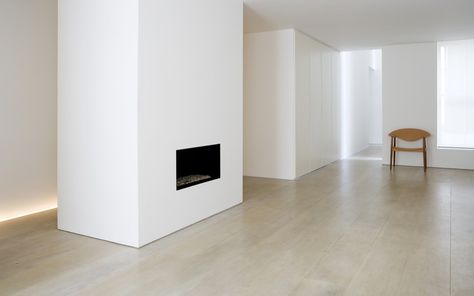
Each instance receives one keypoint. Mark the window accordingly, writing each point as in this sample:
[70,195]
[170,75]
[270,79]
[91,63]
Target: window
[456,94]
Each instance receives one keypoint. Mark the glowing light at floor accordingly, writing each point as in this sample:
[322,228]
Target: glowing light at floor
[346,103]
[364,158]
[22,213]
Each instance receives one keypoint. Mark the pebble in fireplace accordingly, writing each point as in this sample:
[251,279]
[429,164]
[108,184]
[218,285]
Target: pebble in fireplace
[197,165]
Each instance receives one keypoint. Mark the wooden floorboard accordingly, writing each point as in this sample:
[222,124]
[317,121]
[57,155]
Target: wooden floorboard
[351,228]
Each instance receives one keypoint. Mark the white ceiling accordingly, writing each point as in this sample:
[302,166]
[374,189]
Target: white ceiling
[364,24]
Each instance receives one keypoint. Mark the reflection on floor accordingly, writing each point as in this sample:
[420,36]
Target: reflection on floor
[373,152]
[351,228]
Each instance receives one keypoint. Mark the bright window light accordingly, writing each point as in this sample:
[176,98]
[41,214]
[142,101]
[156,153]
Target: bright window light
[456,94]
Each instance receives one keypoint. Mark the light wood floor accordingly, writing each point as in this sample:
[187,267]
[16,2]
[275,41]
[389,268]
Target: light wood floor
[351,228]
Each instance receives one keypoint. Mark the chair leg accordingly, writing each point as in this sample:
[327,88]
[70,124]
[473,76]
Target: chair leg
[424,160]
[394,152]
[391,153]
[424,155]
[391,158]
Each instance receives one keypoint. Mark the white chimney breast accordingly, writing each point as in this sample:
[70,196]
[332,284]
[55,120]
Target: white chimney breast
[138,80]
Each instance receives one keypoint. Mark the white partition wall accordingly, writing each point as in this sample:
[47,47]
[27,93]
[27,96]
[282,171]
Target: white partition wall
[190,94]
[97,119]
[139,80]
[269,102]
[292,104]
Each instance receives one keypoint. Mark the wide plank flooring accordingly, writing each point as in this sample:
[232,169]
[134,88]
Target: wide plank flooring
[351,228]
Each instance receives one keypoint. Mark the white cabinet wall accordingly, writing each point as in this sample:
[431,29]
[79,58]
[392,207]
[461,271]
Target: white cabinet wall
[293,102]
[317,104]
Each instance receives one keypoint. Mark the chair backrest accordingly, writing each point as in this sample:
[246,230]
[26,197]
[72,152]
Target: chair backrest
[409,134]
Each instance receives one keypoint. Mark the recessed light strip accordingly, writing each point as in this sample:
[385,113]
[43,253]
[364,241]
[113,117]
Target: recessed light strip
[26,213]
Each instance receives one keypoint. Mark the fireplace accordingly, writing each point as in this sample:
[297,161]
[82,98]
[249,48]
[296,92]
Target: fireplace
[197,165]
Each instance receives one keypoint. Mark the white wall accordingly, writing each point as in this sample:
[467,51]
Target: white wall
[317,99]
[269,123]
[27,106]
[410,100]
[292,106]
[355,101]
[97,119]
[375,101]
[361,100]
[138,80]
[190,94]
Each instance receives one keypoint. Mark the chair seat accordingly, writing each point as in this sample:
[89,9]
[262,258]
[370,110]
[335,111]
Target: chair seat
[408,134]
[407,149]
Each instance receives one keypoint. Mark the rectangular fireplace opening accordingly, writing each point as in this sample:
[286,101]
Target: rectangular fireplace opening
[197,165]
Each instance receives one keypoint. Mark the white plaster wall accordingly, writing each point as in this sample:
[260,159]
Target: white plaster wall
[410,100]
[269,104]
[97,119]
[190,94]
[317,102]
[27,106]
[357,103]
[375,104]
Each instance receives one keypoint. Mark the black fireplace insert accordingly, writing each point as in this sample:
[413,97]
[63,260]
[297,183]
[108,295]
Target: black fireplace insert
[197,165]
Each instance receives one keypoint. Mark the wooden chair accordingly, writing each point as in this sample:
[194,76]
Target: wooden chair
[407,134]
